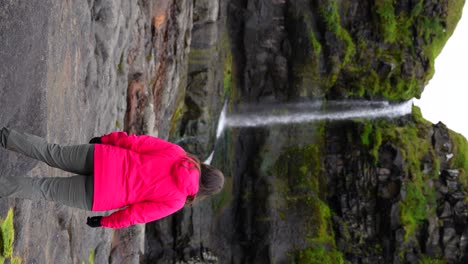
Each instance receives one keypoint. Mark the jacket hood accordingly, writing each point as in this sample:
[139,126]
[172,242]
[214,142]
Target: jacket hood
[186,177]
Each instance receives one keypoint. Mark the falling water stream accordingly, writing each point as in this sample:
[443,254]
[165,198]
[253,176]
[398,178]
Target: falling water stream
[282,114]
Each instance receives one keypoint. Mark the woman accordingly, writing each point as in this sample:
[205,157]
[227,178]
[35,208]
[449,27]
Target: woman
[145,177]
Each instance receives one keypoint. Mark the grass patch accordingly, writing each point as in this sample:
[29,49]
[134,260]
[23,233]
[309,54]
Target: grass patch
[120,66]
[15,260]
[7,233]
[91,258]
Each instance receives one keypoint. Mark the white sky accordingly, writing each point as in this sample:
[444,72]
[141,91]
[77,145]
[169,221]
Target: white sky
[445,98]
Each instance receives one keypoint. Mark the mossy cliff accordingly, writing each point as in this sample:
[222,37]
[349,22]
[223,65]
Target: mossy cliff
[395,204]
[361,191]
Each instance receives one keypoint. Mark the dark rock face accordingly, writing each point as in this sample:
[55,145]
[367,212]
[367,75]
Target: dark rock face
[287,51]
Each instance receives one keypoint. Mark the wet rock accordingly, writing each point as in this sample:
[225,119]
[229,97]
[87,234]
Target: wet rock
[427,168]
[395,221]
[450,174]
[443,189]
[461,209]
[399,236]
[450,240]
[411,257]
[383,174]
[433,247]
[442,144]
[464,244]
[445,210]
[455,197]
[452,185]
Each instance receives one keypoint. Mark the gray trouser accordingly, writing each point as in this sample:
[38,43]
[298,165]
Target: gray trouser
[75,191]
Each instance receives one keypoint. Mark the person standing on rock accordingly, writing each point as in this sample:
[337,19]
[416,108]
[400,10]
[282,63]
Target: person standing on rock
[146,178]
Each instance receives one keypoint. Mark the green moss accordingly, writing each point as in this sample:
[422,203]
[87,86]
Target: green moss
[365,134]
[412,140]
[413,208]
[377,141]
[405,34]
[388,20]
[418,195]
[430,260]
[331,16]
[372,139]
[299,181]
[418,117]
[414,143]
[311,69]
[304,164]
[329,12]
[307,79]
[320,236]
[318,255]
[316,46]
[434,31]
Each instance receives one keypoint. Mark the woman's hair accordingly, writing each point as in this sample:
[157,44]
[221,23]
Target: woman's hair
[211,180]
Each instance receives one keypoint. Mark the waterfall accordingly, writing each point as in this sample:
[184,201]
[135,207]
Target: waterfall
[256,116]
[290,113]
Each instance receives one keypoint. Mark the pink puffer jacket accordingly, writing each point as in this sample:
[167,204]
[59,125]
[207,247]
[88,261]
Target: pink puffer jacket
[146,177]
